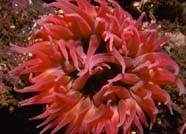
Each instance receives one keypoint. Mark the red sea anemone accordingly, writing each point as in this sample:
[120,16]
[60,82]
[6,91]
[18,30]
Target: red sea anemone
[96,69]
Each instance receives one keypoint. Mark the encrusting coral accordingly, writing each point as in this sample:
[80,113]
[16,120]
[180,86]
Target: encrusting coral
[96,69]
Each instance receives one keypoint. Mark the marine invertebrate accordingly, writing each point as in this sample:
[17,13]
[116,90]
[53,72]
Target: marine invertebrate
[96,69]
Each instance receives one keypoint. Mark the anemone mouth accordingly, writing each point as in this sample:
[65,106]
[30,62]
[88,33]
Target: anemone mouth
[98,80]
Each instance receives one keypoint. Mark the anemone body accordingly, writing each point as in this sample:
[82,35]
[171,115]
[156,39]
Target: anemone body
[96,70]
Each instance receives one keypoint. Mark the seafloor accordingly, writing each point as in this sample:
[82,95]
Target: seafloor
[16,22]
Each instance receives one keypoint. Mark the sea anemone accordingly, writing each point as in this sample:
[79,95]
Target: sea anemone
[96,69]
